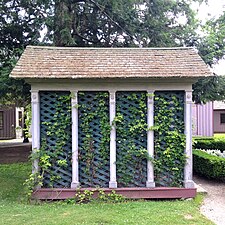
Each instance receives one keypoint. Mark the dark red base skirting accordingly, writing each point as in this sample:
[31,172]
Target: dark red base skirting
[135,193]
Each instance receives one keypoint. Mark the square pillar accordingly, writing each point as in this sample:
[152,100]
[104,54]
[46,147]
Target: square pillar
[188,170]
[150,139]
[35,107]
[75,167]
[112,112]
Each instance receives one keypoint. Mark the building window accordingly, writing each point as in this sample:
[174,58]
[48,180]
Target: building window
[222,117]
[1,120]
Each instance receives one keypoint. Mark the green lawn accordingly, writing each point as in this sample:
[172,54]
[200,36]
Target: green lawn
[220,135]
[13,211]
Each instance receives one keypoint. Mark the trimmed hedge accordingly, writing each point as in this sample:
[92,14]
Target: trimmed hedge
[211,143]
[208,165]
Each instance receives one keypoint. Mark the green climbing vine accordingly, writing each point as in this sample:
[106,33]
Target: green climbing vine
[131,129]
[94,138]
[55,152]
[54,156]
[169,156]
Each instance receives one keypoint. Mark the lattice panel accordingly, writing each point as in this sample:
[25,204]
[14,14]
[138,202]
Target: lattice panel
[131,170]
[58,176]
[94,139]
[166,178]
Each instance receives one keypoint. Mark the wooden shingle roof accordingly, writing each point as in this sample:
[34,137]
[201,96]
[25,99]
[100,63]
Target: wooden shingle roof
[73,62]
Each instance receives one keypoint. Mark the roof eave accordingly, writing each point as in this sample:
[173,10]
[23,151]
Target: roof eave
[131,79]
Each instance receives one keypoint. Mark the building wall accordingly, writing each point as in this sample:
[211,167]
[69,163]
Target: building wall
[202,119]
[8,122]
[218,126]
[194,120]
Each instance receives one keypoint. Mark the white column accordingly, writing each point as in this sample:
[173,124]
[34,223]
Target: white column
[188,182]
[35,104]
[75,169]
[17,117]
[112,112]
[150,139]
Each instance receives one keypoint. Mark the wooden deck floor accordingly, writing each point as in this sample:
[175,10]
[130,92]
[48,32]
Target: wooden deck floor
[134,193]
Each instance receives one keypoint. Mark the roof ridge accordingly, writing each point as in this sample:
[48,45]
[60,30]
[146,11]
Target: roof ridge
[117,48]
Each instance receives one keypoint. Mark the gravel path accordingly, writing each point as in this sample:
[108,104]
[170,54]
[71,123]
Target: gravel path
[214,204]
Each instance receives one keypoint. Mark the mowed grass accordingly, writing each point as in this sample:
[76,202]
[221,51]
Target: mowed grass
[219,135]
[14,211]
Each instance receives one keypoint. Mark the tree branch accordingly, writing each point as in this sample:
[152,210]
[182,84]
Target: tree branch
[101,8]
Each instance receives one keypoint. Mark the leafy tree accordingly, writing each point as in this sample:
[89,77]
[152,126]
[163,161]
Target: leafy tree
[20,25]
[105,23]
[209,89]
[162,26]
[212,45]
[211,48]
[114,23]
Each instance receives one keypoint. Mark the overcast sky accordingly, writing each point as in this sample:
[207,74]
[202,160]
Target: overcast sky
[214,9]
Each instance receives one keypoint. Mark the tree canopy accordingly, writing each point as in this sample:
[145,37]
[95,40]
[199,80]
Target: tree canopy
[106,23]
[115,23]
[211,48]
[20,24]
